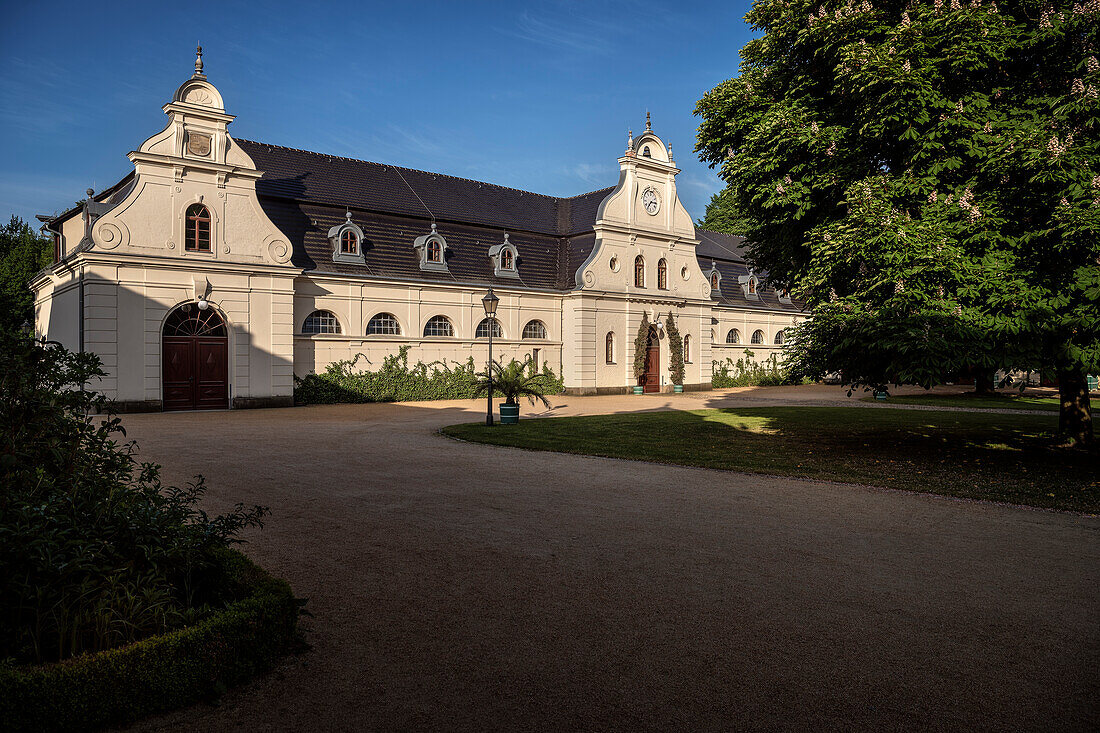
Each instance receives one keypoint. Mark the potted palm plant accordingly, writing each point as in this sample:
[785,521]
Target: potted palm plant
[518,379]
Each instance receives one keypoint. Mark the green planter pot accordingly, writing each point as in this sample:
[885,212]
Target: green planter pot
[638,389]
[881,395]
[677,388]
[509,414]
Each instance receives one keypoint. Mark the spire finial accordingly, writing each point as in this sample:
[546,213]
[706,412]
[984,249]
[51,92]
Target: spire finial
[349,214]
[198,60]
[647,125]
[629,139]
[670,152]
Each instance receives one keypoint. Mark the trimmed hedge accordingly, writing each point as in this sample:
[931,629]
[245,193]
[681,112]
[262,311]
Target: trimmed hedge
[396,381]
[156,674]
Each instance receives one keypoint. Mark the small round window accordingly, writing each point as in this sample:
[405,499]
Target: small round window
[614,264]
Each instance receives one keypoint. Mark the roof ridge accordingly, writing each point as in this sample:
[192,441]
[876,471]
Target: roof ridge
[417,170]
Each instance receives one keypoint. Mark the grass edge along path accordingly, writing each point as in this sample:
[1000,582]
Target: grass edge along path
[969,400]
[976,455]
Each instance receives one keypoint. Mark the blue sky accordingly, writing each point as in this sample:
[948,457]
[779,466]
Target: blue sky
[536,96]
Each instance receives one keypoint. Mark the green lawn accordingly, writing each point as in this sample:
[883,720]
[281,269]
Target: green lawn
[979,455]
[969,399]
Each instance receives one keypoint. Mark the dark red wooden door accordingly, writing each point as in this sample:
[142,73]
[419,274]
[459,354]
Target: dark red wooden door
[196,373]
[652,368]
[179,378]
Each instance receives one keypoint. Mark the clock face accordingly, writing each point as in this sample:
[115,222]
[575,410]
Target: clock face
[650,201]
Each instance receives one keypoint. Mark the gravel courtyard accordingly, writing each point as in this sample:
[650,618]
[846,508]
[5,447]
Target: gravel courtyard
[465,587]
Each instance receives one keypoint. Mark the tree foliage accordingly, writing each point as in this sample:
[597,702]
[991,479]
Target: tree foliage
[95,552]
[641,342]
[675,351]
[723,215]
[924,175]
[23,253]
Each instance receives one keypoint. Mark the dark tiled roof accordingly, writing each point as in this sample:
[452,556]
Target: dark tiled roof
[727,252]
[300,175]
[305,193]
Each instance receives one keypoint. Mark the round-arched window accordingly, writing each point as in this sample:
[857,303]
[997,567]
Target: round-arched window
[733,336]
[482,331]
[383,324]
[321,321]
[507,261]
[780,336]
[662,274]
[439,326]
[758,337]
[196,235]
[639,272]
[687,348]
[435,251]
[189,320]
[534,330]
[714,280]
[609,347]
[349,243]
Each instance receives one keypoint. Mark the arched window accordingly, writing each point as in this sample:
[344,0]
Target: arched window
[714,281]
[687,348]
[779,336]
[662,274]
[482,331]
[435,251]
[646,153]
[752,286]
[197,230]
[321,322]
[534,330]
[188,320]
[639,272]
[439,326]
[758,337]
[383,324]
[733,336]
[609,347]
[349,243]
[507,261]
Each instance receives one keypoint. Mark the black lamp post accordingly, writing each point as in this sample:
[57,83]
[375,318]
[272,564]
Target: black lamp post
[490,302]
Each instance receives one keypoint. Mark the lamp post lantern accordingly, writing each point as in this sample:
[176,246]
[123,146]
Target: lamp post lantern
[490,302]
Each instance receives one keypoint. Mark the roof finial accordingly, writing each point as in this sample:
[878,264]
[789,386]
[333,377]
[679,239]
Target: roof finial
[198,61]
[670,152]
[647,125]
[349,214]
[629,139]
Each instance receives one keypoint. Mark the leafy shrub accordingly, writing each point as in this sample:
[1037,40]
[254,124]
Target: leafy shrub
[747,372]
[95,552]
[199,661]
[396,381]
[675,351]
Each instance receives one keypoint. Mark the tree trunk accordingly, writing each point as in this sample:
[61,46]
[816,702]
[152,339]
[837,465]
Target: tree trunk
[1075,411]
[983,382]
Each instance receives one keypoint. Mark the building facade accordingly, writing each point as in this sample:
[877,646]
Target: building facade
[220,268]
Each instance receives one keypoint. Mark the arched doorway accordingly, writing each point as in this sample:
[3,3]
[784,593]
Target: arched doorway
[195,360]
[651,380]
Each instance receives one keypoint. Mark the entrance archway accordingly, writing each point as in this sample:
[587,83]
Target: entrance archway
[195,360]
[651,380]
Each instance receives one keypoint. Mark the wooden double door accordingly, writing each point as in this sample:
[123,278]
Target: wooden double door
[195,361]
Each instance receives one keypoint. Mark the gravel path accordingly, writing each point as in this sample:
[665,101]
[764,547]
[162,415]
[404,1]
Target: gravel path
[464,587]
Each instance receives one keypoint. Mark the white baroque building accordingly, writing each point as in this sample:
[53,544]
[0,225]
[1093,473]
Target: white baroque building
[219,268]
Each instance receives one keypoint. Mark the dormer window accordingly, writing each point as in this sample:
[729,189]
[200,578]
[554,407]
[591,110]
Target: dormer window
[785,296]
[715,278]
[504,258]
[432,251]
[749,285]
[349,244]
[346,239]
